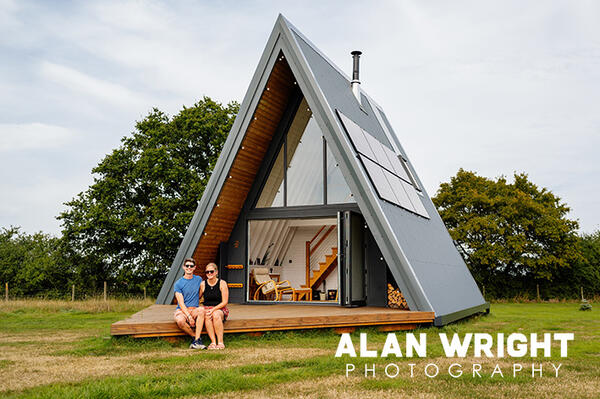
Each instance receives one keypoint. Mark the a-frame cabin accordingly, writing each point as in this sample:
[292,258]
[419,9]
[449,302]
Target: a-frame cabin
[313,187]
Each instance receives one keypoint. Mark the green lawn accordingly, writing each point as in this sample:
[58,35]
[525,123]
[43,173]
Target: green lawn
[63,349]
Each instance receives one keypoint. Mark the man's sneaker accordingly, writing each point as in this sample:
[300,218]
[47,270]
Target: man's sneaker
[197,344]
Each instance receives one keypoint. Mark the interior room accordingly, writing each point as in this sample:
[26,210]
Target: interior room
[293,260]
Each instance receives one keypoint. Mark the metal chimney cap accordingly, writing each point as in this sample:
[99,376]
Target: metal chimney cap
[356,52]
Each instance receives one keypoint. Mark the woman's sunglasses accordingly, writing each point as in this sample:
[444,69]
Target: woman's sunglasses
[210,271]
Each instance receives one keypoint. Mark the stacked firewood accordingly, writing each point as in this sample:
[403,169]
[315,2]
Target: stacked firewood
[396,299]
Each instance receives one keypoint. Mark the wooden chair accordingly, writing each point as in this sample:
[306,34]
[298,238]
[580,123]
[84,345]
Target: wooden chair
[267,286]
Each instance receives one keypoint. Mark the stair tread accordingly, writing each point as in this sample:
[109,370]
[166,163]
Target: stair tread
[317,274]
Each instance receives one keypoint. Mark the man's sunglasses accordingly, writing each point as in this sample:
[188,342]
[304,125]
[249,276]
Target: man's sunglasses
[190,266]
[210,271]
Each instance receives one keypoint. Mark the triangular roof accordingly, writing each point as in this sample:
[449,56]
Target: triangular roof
[419,251]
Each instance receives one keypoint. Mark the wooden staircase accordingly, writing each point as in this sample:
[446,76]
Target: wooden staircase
[325,268]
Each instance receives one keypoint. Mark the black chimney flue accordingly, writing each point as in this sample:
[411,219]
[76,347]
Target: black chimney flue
[355,60]
[355,82]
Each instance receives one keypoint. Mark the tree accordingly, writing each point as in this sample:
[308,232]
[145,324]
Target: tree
[126,227]
[585,274]
[33,264]
[512,233]
[588,274]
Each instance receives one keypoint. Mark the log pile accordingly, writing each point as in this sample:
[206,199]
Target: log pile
[396,299]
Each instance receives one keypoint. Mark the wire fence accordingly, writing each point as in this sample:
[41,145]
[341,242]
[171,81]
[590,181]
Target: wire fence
[77,293]
[539,293]
[73,293]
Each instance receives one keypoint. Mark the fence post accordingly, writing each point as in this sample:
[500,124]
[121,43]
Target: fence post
[105,291]
[537,288]
[73,293]
[144,293]
[582,293]
[6,292]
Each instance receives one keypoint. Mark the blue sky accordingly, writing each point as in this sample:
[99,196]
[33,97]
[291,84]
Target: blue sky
[493,87]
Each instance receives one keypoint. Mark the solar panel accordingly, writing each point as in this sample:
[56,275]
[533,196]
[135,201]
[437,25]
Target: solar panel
[399,192]
[376,173]
[388,173]
[356,136]
[396,164]
[415,199]
[379,152]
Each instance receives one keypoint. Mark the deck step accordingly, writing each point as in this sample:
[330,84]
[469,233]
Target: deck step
[157,320]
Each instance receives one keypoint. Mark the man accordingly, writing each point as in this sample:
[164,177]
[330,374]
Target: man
[188,313]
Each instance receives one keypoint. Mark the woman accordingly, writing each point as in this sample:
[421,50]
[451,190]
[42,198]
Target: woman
[216,296]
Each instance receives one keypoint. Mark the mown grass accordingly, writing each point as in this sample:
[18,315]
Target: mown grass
[75,336]
[47,316]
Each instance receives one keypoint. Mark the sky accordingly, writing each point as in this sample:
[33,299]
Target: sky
[492,87]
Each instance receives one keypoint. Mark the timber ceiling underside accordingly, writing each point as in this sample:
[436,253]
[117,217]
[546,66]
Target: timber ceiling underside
[268,114]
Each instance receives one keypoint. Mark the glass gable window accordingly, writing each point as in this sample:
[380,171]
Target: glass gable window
[272,192]
[338,191]
[299,176]
[305,161]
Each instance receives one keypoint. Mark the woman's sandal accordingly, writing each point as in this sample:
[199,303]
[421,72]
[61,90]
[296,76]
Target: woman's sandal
[212,346]
[221,346]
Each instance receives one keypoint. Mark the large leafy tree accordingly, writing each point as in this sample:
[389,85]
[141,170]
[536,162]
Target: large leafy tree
[126,227]
[584,275]
[510,232]
[33,264]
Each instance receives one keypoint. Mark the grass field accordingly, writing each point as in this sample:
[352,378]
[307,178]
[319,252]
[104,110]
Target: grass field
[55,349]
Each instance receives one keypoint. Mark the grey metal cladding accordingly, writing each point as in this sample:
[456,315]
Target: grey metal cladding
[336,89]
[438,266]
[441,272]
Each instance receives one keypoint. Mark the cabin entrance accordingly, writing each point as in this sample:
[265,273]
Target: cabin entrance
[316,260]
[293,260]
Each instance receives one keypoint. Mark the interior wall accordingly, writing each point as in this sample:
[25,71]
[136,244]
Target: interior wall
[294,265]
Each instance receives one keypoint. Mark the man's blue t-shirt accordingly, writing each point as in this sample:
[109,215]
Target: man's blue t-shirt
[190,289]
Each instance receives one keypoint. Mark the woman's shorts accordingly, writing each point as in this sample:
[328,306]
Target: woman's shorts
[224,310]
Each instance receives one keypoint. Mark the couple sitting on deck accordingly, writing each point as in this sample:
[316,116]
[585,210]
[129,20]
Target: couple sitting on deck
[190,316]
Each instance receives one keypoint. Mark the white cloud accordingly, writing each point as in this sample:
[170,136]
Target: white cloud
[28,136]
[147,17]
[178,50]
[103,90]
[8,9]
[491,87]
[34,204]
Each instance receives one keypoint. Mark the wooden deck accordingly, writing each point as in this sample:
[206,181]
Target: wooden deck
[157,320]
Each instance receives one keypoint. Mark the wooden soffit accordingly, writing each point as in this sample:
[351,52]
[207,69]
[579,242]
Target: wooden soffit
[267,116]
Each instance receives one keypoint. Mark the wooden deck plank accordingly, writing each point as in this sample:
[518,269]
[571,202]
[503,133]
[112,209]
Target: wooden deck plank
[157,320]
